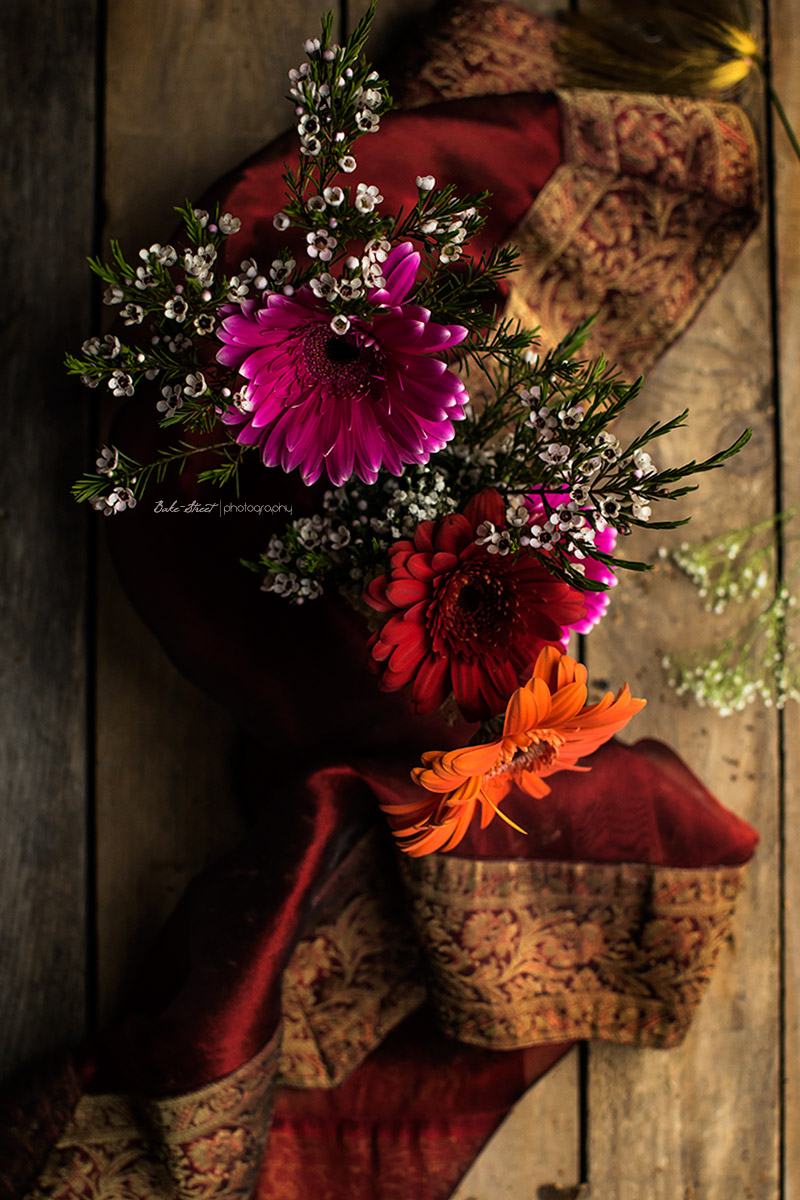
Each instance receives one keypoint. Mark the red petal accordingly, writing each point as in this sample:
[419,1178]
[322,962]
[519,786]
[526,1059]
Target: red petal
[488,505]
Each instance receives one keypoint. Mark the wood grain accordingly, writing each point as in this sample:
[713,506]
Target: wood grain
[47,133]
[539,1143]
[785,28]
[701,1121]
[194,87]
[535,1152]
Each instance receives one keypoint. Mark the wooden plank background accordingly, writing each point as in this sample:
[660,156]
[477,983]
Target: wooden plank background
[120,774]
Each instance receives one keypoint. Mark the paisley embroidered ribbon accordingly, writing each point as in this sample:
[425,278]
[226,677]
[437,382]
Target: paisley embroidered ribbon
[651,204]
[527,952]
[207,1143]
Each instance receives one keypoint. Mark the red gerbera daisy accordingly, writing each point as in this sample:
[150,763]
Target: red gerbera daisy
[462,619]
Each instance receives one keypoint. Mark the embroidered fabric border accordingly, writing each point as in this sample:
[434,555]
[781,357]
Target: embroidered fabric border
[524,952]
[207,1144]
[480,48]
[355,975]
[655,198]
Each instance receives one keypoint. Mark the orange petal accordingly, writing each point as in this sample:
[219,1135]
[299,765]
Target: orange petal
[528,708]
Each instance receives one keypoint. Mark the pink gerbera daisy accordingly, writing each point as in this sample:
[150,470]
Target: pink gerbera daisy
[344,403]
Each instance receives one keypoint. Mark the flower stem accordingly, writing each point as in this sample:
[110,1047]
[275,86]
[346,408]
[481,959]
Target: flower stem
[779,109]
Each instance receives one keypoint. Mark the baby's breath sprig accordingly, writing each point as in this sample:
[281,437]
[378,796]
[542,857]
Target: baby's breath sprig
[758,660]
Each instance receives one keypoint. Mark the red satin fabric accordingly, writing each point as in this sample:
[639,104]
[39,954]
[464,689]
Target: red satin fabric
[297,677]
[331,745]
[409,1122]
[508,145]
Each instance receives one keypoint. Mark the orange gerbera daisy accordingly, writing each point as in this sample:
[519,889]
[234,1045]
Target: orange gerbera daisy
[547,727]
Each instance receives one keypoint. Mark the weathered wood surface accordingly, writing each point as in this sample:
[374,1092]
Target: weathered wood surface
[47,135]
[177,118]
[192,87]
[785,40]
[702,1118]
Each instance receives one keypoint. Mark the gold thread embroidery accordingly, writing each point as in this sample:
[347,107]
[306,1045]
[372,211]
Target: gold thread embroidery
[522,953]
[206,1144]
[654,199]
[356,973]
[481,48]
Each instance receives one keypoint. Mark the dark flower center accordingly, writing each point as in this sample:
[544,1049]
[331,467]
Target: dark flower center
[476,609]
[347,363]
[339,350]
[538,756]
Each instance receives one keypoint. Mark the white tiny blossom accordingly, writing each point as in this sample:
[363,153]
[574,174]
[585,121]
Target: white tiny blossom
[229,224]
[334,196]
[571,418]
[172,399]
[121,384]
[544,422]
[145,279]
[377,250]
[281,269]
[517,512]
[610,508]
[644,463]
[108,461]
[367,198]
[320,245]
[367,121]
[450,252]
[166,255]
[204,323]
[242,401]
[426,183]
[311,146]
[429,226]
[281,221]
[315,204]
[540,537]
[532,396]
[201,216]
[132,314]
[200,262]
[555,453]
[196,385]
[238,290]
[348,164]
[120,499]
[340,324]
[113,295]
[324,286]
[308,126]
[176,309]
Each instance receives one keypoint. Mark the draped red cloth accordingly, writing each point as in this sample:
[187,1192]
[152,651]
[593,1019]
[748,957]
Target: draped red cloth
[414,1113]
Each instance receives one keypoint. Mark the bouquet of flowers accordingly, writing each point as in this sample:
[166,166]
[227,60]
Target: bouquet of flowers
[471,490]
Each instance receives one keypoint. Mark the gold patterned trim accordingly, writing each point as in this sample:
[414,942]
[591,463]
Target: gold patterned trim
[653,201]
[521,953]
[355,975]
[654,198]
[480,48]
[206,1144]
